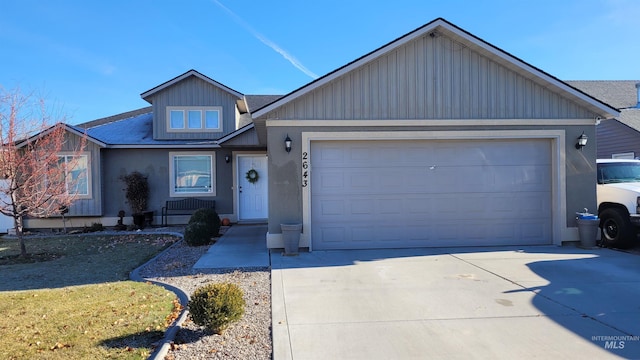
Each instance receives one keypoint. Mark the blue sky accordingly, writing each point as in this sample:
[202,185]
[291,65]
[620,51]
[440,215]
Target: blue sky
[94,58]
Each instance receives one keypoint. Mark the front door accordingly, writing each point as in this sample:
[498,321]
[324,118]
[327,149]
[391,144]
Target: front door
[252,187]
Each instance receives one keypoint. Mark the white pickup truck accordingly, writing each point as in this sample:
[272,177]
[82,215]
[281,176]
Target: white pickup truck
[618,193]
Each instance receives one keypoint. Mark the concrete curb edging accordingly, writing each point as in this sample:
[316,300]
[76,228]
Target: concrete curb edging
[169,335]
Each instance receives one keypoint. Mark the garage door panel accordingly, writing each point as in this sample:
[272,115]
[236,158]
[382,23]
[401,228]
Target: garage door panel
[379,194]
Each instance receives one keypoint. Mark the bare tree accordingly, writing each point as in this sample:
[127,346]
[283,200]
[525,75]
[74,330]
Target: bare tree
[38,182]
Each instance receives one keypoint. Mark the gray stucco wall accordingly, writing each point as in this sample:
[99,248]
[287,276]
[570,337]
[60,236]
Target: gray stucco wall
[285,169]
[155,164]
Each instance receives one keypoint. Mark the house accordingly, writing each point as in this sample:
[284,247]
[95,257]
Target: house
[618,138]
[193,141]
[437,138]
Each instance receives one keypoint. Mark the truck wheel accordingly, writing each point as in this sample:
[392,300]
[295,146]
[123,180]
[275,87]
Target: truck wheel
[617,230]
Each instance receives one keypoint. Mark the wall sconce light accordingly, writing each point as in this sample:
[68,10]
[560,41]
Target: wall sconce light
[227,158]
[582,141]
[287,143]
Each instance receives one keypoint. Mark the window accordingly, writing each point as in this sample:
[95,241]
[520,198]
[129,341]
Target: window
[192,174]
[629,155]
[77,178]
[194,119]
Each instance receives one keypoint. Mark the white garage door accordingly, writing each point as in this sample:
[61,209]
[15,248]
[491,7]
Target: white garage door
[397,194]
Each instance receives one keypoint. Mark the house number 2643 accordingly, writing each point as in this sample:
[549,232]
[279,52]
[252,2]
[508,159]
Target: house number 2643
[305,169]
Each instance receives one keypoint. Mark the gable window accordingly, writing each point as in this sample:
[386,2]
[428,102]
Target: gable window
[192,174]
[194,119]
[77,178]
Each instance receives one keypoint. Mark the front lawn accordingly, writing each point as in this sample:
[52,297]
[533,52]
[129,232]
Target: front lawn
[71,300]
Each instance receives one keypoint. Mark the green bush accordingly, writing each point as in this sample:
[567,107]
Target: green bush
[209,217]
[215,306]
[197,234]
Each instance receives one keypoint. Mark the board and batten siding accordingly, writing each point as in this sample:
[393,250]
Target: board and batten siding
[192,92]
[92,206]
[431,78]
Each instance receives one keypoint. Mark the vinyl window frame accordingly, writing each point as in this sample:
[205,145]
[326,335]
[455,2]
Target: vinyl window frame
[68,183]
[172,173]
[187,119]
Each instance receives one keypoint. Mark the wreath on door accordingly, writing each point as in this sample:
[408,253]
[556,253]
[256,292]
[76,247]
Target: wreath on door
[252,176]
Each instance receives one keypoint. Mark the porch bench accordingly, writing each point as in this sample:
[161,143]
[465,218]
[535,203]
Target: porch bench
[185,207]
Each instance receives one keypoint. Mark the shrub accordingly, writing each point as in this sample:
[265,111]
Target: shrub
[215,306]
[209,217]
[197,234]
[137,191]
[94,227]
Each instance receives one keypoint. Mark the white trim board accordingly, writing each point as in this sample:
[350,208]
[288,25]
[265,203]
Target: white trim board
[559,230]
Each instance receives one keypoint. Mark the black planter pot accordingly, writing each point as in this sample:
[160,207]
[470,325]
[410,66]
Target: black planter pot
[139,219]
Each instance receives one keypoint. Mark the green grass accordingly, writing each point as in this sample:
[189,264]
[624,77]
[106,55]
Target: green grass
[77,304]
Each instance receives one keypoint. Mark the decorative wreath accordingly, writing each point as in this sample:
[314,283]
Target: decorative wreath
[252,176]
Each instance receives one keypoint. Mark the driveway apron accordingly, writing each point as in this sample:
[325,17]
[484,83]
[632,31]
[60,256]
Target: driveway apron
[464,303]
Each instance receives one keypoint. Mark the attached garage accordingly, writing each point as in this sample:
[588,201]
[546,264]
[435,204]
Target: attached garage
[435,139]
[421,193]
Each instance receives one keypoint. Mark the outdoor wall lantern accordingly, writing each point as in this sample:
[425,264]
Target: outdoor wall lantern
[227,158]
[582,141]
[287,143]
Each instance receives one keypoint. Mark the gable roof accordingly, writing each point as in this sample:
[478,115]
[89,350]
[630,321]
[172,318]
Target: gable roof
[69,128]
[137,132]
[255,102]
[622,94]
[432,29]
[147,94]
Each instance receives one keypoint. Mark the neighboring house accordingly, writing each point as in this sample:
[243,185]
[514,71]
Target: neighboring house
[437,138]
[617,138]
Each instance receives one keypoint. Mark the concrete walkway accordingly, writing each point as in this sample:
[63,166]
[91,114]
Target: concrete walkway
[463,303]
[242,246]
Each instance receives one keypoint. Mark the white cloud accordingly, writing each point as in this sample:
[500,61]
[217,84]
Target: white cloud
[263,39]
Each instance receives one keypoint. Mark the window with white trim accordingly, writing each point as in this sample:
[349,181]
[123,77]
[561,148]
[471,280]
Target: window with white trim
[192,174]
[194,119]
[78,175]
[628,155]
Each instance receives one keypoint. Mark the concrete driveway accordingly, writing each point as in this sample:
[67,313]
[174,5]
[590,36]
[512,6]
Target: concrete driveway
[464,303]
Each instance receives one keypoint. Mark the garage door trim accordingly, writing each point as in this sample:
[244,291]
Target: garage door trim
[558,181]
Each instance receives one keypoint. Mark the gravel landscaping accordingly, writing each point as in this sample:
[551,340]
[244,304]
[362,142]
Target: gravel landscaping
[249,338]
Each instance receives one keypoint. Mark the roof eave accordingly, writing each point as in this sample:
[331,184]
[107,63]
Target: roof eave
[595,105]
[145,95]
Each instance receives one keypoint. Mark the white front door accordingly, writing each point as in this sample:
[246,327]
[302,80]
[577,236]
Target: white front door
[252,195]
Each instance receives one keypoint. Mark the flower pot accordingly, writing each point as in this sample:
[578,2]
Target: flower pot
[291,238]
[138,219]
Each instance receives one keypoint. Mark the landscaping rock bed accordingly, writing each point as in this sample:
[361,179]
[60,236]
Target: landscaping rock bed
[250,338]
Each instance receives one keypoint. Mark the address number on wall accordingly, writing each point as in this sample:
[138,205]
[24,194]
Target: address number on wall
[305,169]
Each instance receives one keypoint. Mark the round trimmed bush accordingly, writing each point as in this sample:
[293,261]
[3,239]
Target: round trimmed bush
[215,306]
[209,217]
[197,234]
[203,225]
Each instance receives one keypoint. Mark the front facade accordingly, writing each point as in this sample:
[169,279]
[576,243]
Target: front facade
[435,139]
[195,140]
